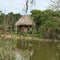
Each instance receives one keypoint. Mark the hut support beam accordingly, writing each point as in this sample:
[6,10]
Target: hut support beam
[16,29]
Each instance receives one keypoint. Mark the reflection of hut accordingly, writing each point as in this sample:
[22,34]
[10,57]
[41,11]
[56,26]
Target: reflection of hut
[25,23]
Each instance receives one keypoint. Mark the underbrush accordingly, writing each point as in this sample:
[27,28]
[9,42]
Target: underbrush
[7,48]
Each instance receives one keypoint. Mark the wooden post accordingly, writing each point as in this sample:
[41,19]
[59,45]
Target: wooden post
[15,29]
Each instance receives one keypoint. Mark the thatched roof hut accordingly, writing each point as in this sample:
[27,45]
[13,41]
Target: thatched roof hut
[25,20]
[25,23]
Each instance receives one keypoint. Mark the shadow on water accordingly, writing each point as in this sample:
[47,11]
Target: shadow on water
[35,50]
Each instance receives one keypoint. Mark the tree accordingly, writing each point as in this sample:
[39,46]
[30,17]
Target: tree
[36,14]
[0,13]
[0,16]
[27,4]
[12,18]
[55,5]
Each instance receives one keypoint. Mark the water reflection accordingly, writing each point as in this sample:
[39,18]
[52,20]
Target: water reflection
[23,54]
[39,51]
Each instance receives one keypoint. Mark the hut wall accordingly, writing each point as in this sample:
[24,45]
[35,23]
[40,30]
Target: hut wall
[24,29]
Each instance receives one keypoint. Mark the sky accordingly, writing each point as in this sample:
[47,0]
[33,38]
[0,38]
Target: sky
[17,6]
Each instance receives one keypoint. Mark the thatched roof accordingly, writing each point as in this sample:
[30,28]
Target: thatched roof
[24,20]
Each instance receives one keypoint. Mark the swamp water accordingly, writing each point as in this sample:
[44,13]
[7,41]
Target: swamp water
[35,50]
[28,50]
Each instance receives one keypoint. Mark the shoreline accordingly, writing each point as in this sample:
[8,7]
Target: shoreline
[27,38]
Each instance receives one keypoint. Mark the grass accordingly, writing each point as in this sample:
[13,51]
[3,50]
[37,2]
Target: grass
[7,48]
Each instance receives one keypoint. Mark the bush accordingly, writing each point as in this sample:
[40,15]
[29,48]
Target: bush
[7,49]
[50,29]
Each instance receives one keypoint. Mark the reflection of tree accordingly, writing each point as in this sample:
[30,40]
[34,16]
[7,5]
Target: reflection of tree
[45,51]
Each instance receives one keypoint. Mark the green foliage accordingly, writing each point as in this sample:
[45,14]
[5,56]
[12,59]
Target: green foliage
[47,23]
[36,14]
[7,49]
[7,21]
[50,29]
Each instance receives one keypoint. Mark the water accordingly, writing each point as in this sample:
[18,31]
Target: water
[35,50]
[23,55]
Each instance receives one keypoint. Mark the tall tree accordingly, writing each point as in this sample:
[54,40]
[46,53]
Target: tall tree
[36,14]
[27,4]
[55,5]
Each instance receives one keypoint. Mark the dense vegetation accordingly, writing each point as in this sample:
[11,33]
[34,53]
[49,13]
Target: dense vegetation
[47,26]
[8,20]
[7,49]
[47,23]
